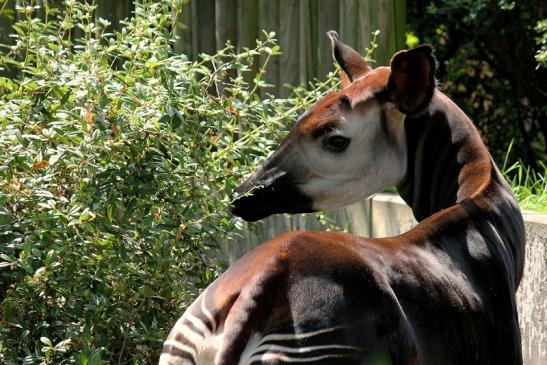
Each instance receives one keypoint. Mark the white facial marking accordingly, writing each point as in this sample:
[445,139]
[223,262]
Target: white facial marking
[374,159]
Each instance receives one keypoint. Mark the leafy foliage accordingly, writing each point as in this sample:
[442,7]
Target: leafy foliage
[489,53]
[541,54]
[117,158]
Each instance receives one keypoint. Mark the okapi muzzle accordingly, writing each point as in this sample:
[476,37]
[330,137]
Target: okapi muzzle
[349,145]
[272,189]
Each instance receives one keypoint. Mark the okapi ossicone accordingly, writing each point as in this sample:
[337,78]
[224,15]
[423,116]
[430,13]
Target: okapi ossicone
[442,293]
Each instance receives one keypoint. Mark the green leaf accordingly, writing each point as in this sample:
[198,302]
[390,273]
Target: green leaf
[46,341]
[95,358]
[7,258]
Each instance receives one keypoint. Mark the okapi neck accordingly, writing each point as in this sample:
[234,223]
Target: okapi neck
[447,161]
[452,181]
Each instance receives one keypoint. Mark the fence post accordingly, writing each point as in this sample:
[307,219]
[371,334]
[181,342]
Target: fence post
[349,23]
[247,31]
[389,17]
[327,19]
[269,21]
[308,64]
[114,11]
[225,22]
[5,30]
[290,43]
[182,24]
[203,27]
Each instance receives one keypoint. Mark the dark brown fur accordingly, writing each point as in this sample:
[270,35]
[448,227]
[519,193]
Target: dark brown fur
[442,293]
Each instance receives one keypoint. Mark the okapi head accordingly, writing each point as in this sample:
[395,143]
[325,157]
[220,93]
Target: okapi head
[350,144]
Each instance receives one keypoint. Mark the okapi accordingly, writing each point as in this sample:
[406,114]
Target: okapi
[442,293]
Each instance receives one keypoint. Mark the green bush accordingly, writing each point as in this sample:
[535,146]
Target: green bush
[117,158]
[492,64]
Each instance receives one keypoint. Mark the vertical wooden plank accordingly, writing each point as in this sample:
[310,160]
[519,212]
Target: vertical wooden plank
[195,29]
[349,18]
[308,39]
[226,27]
[288,39]
[391,30]
[203,27]
[114,11]
[327,19]
[399,21]
[7,21]
[5,30]
[183,30]
[225,22]
[304,49]
[269,21]
[247,32]
[247,19]
[365,26]
[381,21]
[386,33]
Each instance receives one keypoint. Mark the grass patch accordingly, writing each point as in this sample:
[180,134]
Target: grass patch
[528,185]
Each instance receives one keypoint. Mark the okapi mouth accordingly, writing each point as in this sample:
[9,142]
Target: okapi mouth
[257,200]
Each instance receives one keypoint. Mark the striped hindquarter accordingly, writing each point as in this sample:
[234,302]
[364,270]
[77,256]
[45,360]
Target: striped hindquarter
[196,341]
[315,298]
[287,311]
[195,338]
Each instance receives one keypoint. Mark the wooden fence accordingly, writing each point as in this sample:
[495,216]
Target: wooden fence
[300,26]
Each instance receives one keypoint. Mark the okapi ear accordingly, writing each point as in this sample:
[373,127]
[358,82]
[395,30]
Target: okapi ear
[352,64]
[412,79]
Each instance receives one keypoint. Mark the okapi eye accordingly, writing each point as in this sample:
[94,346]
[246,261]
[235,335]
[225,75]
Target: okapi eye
[336,143]
[345,100]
